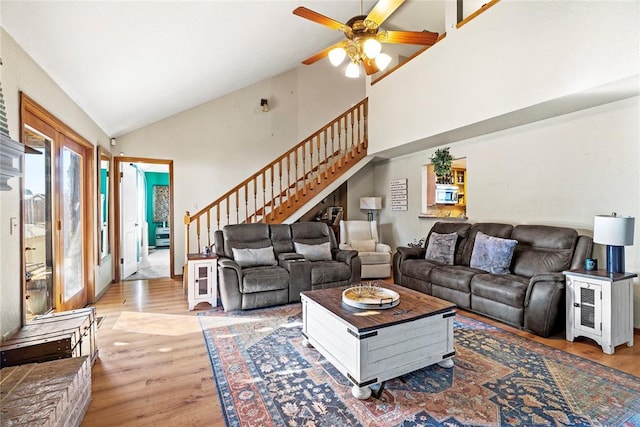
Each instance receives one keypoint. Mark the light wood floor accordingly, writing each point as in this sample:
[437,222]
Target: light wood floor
[153,367]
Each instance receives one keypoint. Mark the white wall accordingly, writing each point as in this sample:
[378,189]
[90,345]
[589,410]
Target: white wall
[21,73]
[218,144]
[560,171]
[516,55]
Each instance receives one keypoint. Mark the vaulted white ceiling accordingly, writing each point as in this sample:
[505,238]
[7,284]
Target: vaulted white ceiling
[131,63]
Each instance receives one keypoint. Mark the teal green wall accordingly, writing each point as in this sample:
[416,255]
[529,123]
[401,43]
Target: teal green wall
[104,190]
[153,178]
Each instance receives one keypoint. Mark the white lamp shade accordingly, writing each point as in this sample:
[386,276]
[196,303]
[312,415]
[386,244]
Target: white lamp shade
[613,230]
[382,61]
[336,56]
[372,48]
[371,203]
[353,70]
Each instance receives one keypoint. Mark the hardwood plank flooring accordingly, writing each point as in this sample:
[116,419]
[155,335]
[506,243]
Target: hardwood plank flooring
[153,367]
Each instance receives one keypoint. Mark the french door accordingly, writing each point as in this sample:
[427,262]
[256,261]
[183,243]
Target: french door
[59,259]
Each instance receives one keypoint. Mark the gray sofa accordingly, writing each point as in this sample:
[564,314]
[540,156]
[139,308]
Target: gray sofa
[261,265]
[529,296]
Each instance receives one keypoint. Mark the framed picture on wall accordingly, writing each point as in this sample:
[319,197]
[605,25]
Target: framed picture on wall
[160,203]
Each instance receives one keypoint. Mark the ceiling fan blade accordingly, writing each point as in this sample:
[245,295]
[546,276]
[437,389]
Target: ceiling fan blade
[426,38]
[309,14]
[322,54]
[370,66]
[382,10]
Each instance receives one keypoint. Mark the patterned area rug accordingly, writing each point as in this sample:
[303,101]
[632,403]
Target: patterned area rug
[266,377]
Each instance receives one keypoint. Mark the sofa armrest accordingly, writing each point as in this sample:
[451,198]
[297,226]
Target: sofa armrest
[287,256]
[352,259]
[230,275]
[544,303]
[411,252]
[345,256]
[299,276]
[344,247]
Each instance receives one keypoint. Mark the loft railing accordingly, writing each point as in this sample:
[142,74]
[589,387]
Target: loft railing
[280,188]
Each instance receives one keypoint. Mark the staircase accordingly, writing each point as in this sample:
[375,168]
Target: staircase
[283,187]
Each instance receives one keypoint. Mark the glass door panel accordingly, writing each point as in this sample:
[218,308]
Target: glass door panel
[72,224]
[37,231]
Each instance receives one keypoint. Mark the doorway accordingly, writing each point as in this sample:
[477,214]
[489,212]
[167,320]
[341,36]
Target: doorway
[144,218]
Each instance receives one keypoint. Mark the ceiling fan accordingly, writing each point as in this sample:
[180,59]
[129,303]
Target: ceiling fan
[364,36]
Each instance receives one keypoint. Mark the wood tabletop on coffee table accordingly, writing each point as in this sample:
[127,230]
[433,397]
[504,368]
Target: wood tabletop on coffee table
[413,305]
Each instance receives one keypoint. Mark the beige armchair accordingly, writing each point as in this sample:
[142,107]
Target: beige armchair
[362,236]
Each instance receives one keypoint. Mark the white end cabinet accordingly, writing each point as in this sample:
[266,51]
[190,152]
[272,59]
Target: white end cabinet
[600,307]
[202,279]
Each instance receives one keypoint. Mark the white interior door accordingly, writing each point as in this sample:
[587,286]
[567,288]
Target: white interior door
[128,213]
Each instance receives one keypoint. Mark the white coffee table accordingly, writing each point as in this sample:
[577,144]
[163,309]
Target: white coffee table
[373,346]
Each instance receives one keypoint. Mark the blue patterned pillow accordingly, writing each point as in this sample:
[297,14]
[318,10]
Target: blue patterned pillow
[492,254]
[441,247]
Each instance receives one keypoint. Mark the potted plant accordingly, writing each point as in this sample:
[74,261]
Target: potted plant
[442,161]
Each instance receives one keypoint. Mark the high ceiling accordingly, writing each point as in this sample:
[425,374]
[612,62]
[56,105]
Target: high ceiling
[131,63]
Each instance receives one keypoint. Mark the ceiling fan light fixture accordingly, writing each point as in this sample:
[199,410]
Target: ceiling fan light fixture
[382,61]
[353,70]
[336,56]
[372,47]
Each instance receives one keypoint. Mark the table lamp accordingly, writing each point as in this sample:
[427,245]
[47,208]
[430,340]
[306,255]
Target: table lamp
[616,232]
[371,204]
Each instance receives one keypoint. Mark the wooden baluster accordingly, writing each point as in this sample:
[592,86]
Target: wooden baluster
[304,170]
[198,232]
[311,164]
[333,147]
[297,180]
[326,154]
[280,185]
[319,161]
[365,125]
[272,196]
[228,210]
[209,228]
[289,180]
[187,223]
[255,198]
[218,215]
[358,141]
[246,204]
[352,144]
[340,153]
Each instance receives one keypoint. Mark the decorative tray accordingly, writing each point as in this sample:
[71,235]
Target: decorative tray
[368,295]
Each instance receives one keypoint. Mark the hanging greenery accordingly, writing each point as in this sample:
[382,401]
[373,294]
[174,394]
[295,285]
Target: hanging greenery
[442,161]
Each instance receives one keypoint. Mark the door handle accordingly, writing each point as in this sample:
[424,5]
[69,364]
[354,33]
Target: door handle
[575,304]
[29,249]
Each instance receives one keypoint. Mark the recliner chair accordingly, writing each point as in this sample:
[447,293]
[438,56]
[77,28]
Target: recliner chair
[362,236]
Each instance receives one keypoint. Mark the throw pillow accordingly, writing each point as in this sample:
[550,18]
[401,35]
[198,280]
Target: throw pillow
[254,257]
[441,247]
[492,254]
[319,252]
[363,245]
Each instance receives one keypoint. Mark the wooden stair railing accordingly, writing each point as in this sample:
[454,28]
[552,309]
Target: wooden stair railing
[280,188]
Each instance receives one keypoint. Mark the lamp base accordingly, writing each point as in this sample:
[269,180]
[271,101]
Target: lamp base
[370,216]
[615,259]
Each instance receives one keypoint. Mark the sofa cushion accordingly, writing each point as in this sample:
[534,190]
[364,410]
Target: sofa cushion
[318,252]
[329,271]
[461,228]
[441,247]
[363,245]
[488,228]
[492,254]
[508,289]
[254,257]
[368,258]
[455,277]
[262,279]
[281,238]
[543,249]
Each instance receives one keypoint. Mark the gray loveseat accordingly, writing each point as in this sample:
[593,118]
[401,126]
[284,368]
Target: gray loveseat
[530,295]
[261,265]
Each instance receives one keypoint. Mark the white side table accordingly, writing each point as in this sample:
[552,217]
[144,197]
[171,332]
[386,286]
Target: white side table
[202,279]
[600,307]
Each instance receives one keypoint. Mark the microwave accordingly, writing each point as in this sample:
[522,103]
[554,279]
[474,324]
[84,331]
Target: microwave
[446,194]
